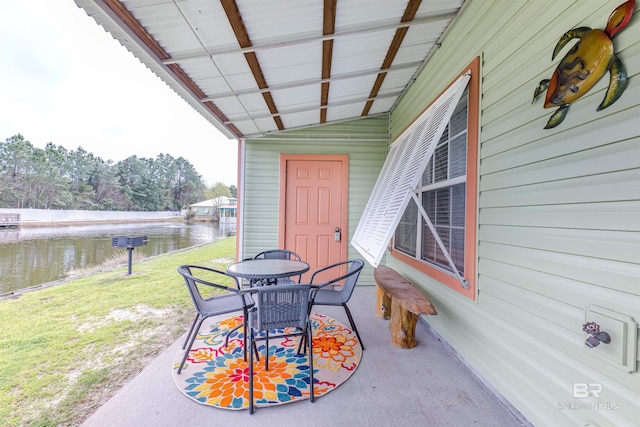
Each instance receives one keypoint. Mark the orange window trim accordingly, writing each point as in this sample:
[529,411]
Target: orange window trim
[451,281]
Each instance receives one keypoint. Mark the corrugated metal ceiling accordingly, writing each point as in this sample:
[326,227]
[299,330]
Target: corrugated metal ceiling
[257,67]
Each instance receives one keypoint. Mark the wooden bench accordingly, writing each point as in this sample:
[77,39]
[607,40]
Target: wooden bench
[399,301]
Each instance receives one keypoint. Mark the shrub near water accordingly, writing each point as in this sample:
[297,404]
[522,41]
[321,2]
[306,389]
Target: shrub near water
[66,349]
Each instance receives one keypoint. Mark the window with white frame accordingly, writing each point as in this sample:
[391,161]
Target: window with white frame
[425,197]
[443,196]
[401,176]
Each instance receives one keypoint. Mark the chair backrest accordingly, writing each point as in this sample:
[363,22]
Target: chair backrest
[279,307]
[348,279]
[278,254]
[189,272]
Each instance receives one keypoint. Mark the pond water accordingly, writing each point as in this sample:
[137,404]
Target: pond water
[32,256]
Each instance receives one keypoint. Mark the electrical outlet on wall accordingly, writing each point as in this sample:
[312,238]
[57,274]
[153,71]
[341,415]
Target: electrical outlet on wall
[622,329]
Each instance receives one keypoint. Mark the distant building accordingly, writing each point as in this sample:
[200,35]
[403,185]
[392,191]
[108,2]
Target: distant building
[223,208]
[228,212]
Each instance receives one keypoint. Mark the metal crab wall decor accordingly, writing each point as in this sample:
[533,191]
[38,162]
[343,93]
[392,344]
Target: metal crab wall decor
[583,66]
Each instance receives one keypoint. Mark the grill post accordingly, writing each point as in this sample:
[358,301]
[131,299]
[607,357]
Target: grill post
[130,243]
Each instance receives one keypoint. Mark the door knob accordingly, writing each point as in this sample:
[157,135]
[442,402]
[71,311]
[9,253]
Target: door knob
[595,336]
[336,236]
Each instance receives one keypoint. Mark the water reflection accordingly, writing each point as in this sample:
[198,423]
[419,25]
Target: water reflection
[31,256]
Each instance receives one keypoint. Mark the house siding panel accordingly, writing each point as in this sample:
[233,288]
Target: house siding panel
[558,217]
[366,143]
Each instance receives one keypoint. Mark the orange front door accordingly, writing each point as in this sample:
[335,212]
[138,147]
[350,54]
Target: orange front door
[315,208]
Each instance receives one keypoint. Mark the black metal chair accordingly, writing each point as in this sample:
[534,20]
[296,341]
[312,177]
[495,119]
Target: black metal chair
[344,284]
[279,311]
[279,254]
[226,299]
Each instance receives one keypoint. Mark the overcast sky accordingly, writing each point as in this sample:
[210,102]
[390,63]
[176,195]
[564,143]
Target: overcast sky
[64,80]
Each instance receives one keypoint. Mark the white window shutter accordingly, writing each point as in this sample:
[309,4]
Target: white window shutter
[401,174]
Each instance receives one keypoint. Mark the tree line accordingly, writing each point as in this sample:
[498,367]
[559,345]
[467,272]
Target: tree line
[57,178]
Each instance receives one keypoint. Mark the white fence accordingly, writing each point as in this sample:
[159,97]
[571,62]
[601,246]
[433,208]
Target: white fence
[48,215]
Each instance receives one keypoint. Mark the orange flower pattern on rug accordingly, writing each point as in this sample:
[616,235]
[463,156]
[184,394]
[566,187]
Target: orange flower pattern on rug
[218,376]
[335,346]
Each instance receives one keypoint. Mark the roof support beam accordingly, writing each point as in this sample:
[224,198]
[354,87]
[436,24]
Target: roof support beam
[237,24]
[409,14]
[328,28]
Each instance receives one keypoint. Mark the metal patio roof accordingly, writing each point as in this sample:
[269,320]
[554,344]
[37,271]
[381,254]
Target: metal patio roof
[254,67]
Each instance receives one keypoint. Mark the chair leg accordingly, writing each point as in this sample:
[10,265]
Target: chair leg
[193,338]
[226,340]
[190,330]
[303,342]
[251,348]
[266,352]
[245,319]
[353,324]
[255,348]
[309,339]
[303,339]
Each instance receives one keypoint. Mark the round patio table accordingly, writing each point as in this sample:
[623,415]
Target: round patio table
[259,269]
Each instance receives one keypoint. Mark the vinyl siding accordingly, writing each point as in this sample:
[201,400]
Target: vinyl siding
[558,217]
[366,143]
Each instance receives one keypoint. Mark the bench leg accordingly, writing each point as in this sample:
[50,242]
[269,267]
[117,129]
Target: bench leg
[383,304]
[402,326]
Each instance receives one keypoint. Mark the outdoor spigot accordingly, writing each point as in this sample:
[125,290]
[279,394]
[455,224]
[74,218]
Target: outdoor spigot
[595,336]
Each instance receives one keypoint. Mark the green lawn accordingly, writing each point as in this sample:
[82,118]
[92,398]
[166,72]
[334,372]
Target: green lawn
[65,349]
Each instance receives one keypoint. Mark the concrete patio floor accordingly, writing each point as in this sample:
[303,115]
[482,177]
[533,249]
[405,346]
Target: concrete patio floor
[424,386]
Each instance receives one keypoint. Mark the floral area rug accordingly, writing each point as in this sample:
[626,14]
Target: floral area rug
[218,376]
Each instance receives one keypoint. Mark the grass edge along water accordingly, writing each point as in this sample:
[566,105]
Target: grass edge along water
[66,348]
